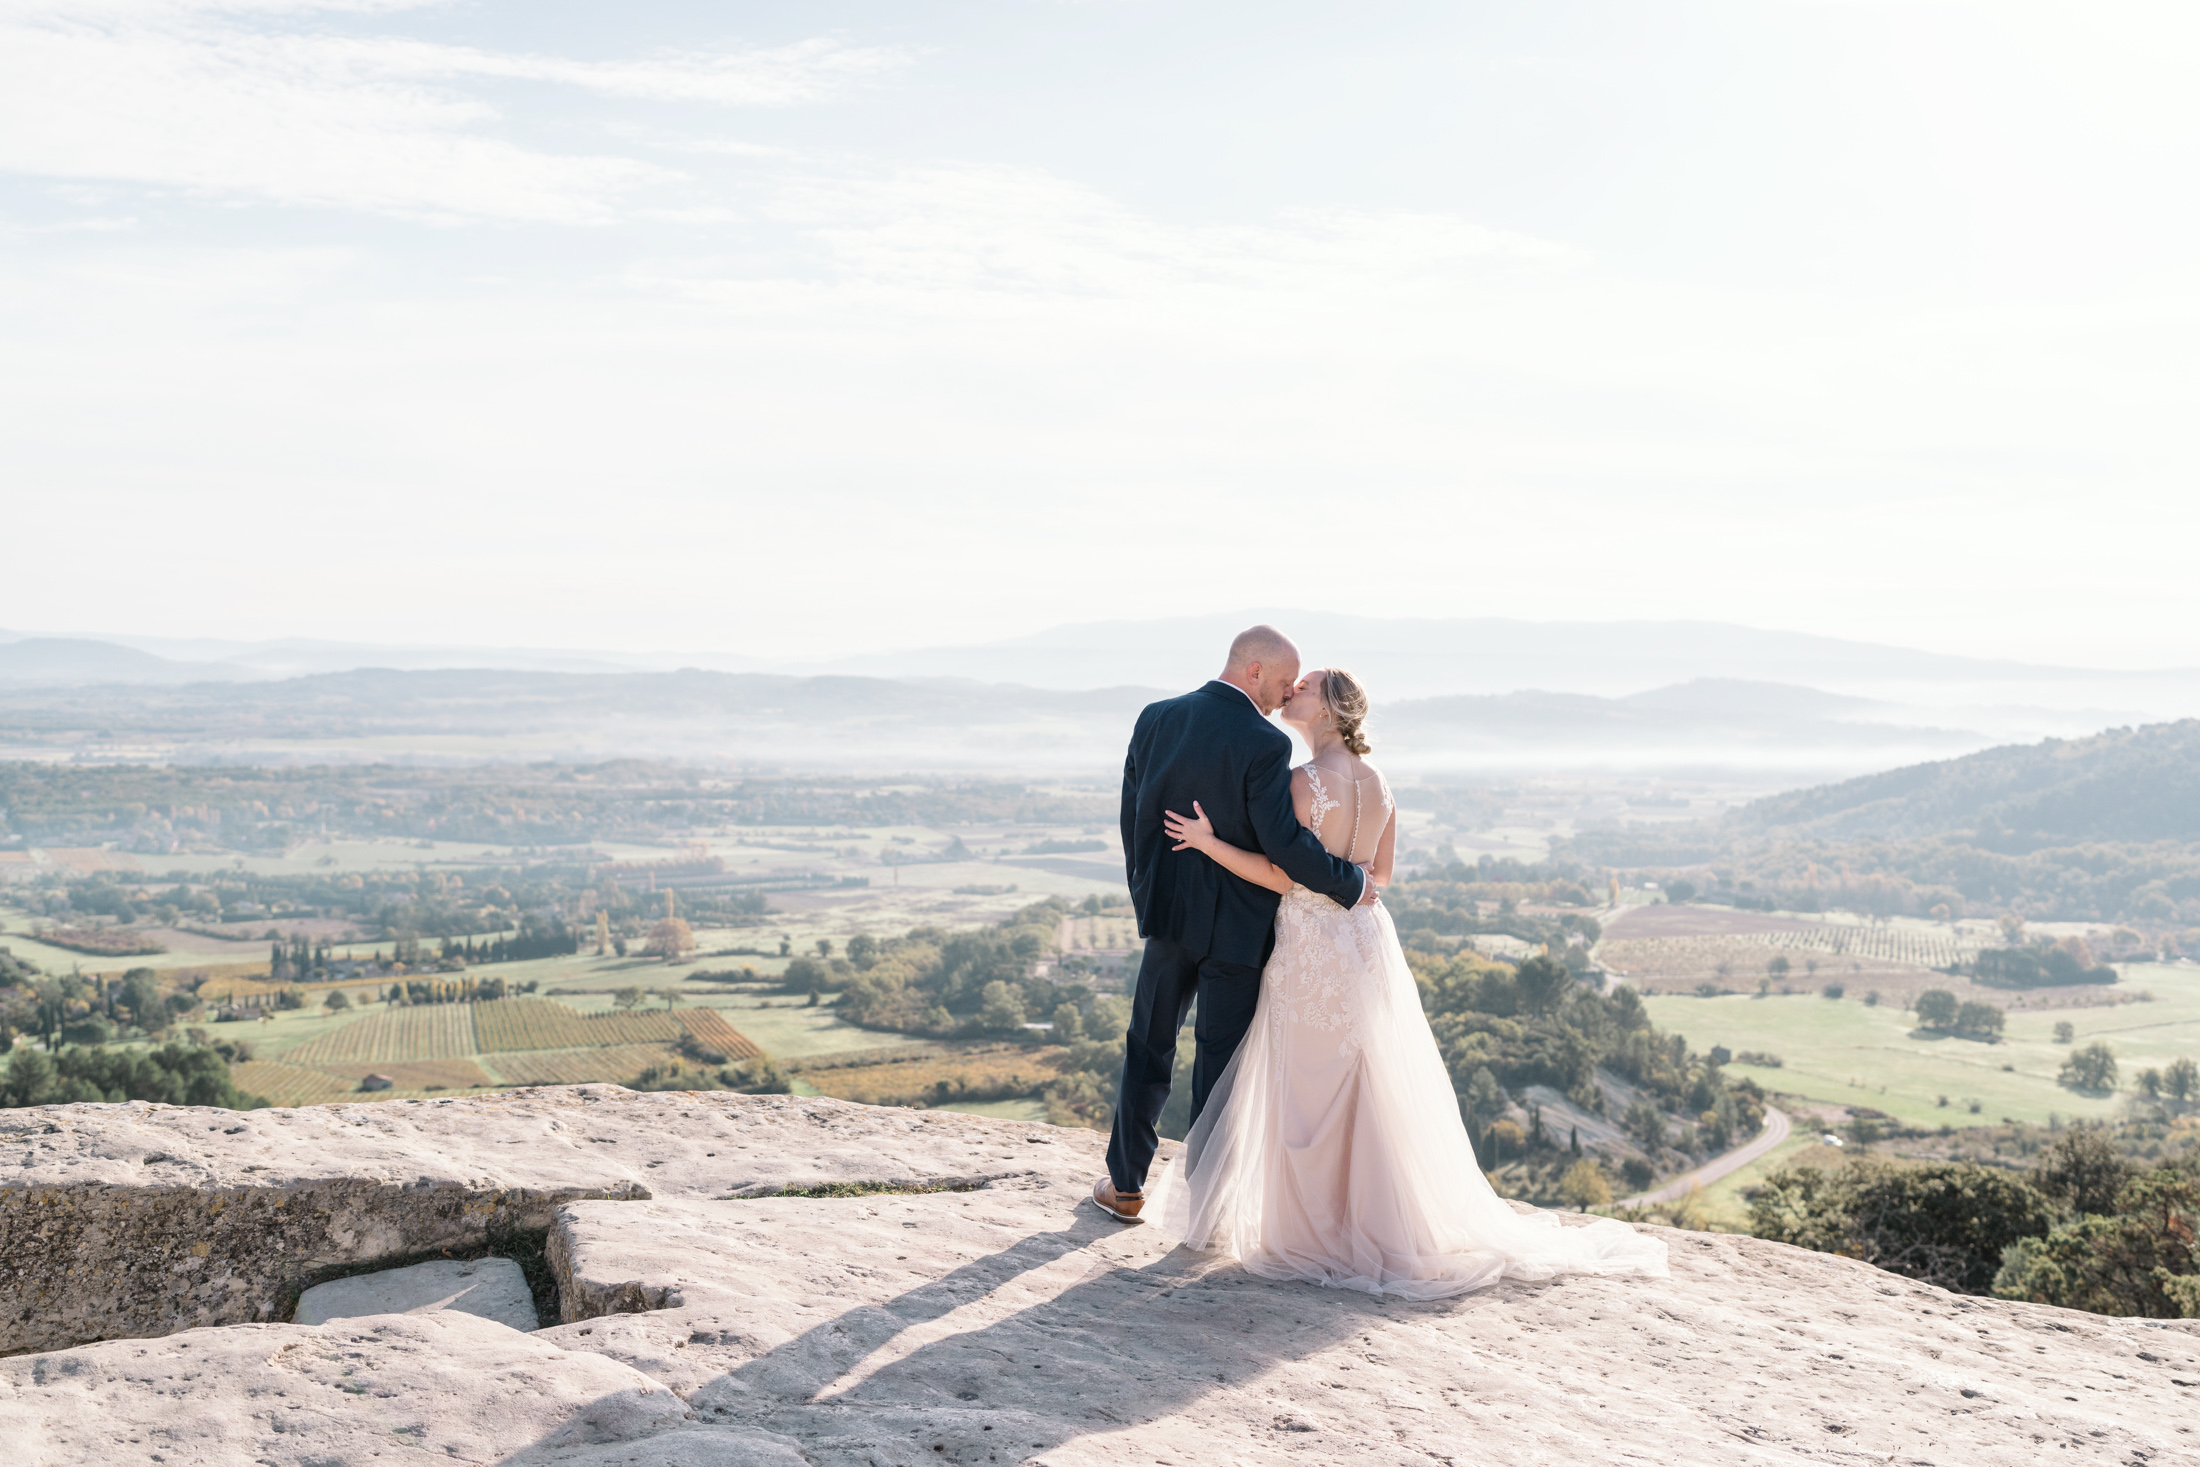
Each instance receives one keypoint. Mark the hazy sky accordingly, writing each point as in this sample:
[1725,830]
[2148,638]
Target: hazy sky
[796,329]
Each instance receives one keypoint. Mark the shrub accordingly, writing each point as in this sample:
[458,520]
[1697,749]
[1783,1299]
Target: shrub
[759,1076]
[1947,1223]
[2139,1262]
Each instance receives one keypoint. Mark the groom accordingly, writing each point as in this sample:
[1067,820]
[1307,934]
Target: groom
[1207,932]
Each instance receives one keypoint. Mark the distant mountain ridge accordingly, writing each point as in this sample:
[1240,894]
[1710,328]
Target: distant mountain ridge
[76,661]
[915,723]
[2127,784]
[1402,660]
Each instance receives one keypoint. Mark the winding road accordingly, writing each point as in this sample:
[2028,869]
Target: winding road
[1776,1130]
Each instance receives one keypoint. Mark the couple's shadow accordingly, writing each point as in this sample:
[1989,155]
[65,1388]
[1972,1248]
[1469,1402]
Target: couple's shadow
[1122,1346]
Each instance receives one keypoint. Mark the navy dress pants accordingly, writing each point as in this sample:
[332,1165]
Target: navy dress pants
[1169,979]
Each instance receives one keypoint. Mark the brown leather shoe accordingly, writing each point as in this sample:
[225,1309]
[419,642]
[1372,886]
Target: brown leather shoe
[1122,1206]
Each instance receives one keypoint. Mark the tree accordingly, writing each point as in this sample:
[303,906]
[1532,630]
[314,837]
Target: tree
[174,1074]
[1777,969]
[1001,1006]
[627,998]
[2012,928]
[2091,1067]
[806,975]
[1936,1009]
[1543,982]
[2065,1031]
[671,996]
[2182,1079]
[140,994]
[669,938]
[2082,1170]
[1485,1097]
[824,947]
[336,1003]
[1980,1021]
[1584,1185]
[1068,1022]
[1646,1123]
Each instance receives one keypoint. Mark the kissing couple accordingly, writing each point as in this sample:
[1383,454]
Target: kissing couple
[1326,1141]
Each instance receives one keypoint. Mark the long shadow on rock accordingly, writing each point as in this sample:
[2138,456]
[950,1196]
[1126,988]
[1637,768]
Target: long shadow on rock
[1121,1348]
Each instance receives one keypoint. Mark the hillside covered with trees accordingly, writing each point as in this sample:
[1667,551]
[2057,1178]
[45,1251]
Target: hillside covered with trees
[2105,828]
[1502,1028]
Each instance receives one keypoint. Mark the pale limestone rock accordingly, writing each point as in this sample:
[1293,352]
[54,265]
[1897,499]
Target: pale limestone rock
[137,1219]
[445,1385]
[1015,1323]
[493,1288]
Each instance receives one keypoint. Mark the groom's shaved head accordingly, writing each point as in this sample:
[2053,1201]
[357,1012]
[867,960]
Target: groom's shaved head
[1265,663]
[1263,644]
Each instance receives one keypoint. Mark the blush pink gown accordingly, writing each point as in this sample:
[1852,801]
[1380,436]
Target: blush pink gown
[1332,1148]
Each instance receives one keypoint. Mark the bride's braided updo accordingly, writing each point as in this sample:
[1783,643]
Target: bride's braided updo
[1346,701]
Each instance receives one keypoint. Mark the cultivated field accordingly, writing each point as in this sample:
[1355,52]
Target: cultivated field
[422,1032]
[1844,1052]
[611,1064]
[423,1049]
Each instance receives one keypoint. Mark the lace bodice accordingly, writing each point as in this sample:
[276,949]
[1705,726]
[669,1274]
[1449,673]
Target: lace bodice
[1347,815]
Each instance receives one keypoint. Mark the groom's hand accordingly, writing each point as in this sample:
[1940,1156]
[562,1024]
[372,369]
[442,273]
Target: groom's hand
[1370,893]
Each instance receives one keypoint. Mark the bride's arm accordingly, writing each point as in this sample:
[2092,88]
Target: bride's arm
[1386,853]
[1198,834]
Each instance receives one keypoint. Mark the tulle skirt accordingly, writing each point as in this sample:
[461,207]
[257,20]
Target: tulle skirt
[1332,1149]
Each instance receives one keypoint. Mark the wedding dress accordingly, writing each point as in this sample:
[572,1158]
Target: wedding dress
[1332,1148]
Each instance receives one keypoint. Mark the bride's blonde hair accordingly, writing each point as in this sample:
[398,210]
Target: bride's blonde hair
[1346,701]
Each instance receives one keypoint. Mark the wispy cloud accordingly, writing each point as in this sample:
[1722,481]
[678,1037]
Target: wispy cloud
[1022,231]
[193,96]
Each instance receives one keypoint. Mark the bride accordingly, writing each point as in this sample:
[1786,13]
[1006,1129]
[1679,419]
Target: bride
[1332,1148]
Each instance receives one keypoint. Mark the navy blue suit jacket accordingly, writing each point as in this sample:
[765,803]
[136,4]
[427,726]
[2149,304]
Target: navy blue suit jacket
[1213,746]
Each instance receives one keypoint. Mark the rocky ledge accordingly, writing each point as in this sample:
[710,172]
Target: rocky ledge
[730,1279]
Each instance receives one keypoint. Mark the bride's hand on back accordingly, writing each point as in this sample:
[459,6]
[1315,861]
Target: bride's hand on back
[1190,835]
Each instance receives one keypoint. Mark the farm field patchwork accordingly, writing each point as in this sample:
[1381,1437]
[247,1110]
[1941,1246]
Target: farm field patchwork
[1844,1052]
[305,1059]
[608,1064]
[282,1084]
